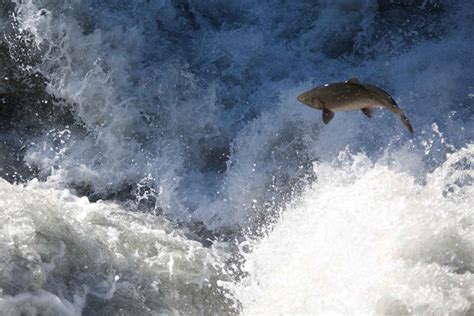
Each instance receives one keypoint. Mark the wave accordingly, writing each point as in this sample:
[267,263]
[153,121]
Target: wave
[175,126]
[62,254]
[366,238]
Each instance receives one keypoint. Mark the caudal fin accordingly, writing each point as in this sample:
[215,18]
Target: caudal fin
[405,121]
[398,112]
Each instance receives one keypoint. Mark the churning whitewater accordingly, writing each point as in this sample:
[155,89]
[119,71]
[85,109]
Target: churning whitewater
[155,160]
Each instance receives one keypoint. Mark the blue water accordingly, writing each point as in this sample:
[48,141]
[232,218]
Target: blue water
[154,150]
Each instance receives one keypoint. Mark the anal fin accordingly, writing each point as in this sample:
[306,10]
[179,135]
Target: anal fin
[367,112]
[327,115]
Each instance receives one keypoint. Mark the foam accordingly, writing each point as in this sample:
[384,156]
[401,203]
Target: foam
[366,239]
[62,254]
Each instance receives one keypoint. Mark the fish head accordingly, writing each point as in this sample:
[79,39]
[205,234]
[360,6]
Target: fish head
[310,98]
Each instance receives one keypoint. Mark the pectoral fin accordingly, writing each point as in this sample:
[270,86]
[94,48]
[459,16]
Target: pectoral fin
[367,112]
[327,115]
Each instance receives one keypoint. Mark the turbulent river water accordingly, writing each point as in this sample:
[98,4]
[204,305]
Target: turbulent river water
[154,158]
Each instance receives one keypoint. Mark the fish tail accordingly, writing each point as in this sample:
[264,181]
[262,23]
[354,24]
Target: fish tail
[401,115]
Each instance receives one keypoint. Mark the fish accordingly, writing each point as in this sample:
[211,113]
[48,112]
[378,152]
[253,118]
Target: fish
[349,96]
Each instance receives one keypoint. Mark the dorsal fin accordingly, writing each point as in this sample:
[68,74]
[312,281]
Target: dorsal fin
[353,80]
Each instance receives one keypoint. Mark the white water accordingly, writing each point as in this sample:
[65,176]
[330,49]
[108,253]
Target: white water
[186,110]
[57,250]
[366,239]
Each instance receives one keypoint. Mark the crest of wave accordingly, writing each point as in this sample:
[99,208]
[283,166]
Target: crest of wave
[61,255]
[368,239]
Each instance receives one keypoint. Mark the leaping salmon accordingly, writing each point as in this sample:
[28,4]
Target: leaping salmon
[351,95]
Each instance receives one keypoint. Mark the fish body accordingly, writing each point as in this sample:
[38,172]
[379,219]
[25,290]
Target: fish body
[349,96]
